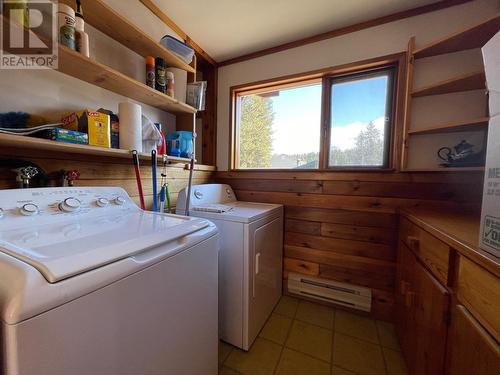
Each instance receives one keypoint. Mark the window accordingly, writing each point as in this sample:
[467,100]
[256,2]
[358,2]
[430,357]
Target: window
[360,118]
[279,128]
[330,121]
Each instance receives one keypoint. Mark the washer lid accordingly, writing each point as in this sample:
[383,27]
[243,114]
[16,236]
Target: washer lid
[64,250]
[243,212]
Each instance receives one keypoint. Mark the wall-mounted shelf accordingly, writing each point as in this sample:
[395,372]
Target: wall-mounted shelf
[17,141]
[107,20]
[472,37]
[464,82]
[454,127]
[78,66]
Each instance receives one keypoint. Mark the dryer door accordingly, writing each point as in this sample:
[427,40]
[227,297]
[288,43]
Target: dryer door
[266,274]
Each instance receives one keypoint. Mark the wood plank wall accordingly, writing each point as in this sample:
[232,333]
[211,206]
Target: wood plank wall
[343,226]
[100,171]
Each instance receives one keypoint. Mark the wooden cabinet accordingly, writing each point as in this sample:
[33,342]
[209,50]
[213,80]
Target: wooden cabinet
[471,349]
[422,310]
[431,251]
[479,291]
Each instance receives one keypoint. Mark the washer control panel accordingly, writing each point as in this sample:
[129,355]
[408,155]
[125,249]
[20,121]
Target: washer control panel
[48,205]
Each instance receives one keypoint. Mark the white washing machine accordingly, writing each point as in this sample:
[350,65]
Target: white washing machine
[250,259]
[91,284]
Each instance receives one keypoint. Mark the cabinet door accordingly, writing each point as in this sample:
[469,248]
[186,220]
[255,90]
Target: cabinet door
[471,350]
[430,307]
[405,323]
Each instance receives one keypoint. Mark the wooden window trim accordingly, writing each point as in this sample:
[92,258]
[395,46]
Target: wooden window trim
[398,60]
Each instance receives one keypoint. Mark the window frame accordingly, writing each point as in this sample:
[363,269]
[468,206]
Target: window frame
[328,82]
[397,61]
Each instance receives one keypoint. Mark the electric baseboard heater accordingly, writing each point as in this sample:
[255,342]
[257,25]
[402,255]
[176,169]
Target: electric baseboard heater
[342,294]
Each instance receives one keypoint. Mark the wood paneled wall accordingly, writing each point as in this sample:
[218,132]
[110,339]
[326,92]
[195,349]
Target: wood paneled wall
[343,226]
[100,171]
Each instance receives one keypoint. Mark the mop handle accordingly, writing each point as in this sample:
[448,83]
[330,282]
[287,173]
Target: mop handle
[155,187]
[135,158]
[190,182]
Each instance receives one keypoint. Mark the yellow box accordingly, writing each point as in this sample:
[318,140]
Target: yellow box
[95,124]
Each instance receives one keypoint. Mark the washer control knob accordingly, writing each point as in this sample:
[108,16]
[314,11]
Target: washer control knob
[70,204]
[102,202]
[29,209]
[119,200]
[1,213]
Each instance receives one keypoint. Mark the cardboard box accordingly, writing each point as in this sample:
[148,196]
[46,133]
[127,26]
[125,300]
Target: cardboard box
[491,58]
[95,124]
[489,236]
[69,136]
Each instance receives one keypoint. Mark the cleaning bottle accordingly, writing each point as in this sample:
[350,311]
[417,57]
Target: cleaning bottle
[150,71]
[20,13]
[162,146]
[81,37]
[160,75]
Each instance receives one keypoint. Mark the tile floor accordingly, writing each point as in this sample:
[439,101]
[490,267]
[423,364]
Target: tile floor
[303,338]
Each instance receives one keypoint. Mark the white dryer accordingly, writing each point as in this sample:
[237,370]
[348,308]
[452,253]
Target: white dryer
[91,284]
[250,258]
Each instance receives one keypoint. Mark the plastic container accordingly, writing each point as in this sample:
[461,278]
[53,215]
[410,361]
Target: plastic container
[180,143]
[181,49]
[81,37]
[22,17]
[66,23]
[170,84]
[180,83]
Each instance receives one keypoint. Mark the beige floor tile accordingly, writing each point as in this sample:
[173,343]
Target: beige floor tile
[260,360]
[295,363]
[287,306]
[310,339]
[228,371]
[276,328]
[340,371]
[315,314]
[394,361]
[224,351]
[356,326]
[357,355]
[387,335]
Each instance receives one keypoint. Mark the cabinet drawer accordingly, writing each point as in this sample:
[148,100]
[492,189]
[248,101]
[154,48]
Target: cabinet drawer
[479,290]
[431,251]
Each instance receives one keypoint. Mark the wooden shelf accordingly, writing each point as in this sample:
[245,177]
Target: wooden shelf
[472,37]
[445,169]
[107,20]
[26,142]
[465,82]
[454,127]
[78,66]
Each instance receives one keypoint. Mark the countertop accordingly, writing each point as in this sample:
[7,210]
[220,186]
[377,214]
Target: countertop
[458,228]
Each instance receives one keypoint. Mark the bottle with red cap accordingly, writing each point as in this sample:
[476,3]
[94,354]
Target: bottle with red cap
[150,71]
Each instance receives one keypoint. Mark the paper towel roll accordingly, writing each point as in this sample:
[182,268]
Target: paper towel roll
[130,126]
[180,83]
